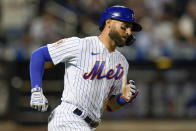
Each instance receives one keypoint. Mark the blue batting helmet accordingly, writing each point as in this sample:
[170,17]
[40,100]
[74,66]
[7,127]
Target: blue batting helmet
[121,13]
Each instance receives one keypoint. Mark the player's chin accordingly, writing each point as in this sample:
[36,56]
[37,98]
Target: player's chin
[121,43]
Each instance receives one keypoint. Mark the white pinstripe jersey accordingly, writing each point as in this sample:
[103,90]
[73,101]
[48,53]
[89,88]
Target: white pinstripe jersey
[92,73]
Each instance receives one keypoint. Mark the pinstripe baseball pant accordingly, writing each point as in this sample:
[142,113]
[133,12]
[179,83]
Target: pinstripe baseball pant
[63,119]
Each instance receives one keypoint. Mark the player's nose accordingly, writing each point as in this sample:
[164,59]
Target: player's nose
[128,31]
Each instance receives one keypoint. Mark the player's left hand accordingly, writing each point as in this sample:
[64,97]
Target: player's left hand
[129,91]
[133,90]
[38,100]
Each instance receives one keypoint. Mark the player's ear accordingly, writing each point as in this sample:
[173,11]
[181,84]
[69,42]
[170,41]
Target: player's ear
[108,22]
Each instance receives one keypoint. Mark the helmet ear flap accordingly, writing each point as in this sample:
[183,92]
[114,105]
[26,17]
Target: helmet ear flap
[130,40]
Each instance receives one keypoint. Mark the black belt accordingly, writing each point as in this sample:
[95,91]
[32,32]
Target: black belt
[88,120]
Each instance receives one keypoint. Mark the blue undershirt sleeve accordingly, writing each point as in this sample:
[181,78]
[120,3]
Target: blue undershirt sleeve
[37,63]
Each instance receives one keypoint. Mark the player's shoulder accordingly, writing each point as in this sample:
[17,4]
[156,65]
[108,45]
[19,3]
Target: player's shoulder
[74,38]
[65,41]
[90,38]
[90,41]
[77,39]
[83,42]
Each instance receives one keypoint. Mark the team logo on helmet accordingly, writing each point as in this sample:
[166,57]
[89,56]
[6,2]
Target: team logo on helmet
[133,16]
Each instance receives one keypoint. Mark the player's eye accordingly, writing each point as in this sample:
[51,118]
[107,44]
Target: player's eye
[123,28]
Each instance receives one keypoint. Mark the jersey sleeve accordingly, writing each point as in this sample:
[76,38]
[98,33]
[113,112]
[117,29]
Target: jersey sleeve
[118,83]
[64,49]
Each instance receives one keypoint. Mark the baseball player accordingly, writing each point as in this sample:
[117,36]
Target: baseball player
[95,73]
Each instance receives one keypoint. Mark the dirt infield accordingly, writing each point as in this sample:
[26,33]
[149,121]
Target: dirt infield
[149,125]
[132,125]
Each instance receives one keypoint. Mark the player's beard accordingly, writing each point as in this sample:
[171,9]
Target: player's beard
[116,37]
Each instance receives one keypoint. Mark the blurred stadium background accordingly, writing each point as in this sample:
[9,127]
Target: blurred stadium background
[162,61]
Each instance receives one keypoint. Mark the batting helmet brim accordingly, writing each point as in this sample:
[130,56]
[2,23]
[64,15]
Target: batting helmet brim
[136,27]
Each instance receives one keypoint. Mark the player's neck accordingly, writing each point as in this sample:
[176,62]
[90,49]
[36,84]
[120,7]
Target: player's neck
[107,41]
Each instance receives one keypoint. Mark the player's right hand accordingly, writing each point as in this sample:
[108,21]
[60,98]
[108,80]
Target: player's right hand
[38,100]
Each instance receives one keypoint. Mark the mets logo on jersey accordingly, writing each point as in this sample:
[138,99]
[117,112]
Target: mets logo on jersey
[97,69]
